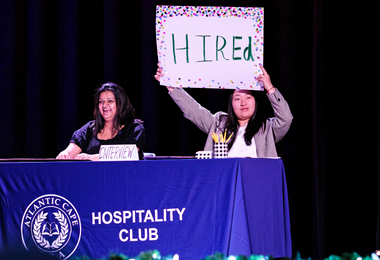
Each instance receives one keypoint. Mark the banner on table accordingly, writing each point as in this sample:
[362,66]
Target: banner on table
[71,209]
[210,47]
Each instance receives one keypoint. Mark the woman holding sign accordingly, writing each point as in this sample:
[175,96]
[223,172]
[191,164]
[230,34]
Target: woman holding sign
[114,123]
[251,134]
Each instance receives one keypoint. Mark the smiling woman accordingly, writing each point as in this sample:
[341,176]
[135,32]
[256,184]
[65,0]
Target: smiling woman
[114,123]
[252,134]
[107,105]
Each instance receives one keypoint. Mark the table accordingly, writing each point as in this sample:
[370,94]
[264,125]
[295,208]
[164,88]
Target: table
[193,208]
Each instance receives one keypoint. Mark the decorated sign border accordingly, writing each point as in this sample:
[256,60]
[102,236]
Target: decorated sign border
[255,14]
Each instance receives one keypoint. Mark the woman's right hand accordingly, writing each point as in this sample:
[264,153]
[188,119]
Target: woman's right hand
[63,155]
[160,74]
[70,152]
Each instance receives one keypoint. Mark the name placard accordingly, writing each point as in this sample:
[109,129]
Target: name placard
[118,152]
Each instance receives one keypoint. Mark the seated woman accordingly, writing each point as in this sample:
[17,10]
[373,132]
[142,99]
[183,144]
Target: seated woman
[253,135]
[114,123]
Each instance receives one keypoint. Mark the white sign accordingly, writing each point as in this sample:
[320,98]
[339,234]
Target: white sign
[118,152]
[210,47]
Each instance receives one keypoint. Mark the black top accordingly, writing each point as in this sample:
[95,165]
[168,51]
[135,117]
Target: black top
[132,133]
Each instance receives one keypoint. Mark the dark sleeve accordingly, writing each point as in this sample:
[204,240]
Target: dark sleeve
[139,135]
[135,134]
[80,136]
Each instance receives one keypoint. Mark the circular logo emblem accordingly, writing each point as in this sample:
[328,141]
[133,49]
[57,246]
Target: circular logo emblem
[51,224]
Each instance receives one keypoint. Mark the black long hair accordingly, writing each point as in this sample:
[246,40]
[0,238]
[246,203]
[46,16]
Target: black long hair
[257,120]
[125,112]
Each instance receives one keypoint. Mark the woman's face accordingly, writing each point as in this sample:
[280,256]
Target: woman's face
[244,105]
[107,105]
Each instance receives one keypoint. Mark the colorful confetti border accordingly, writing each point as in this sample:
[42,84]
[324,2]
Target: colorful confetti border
[254,13]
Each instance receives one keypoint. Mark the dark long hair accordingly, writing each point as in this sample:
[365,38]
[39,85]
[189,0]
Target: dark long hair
[125,112]
[257,120]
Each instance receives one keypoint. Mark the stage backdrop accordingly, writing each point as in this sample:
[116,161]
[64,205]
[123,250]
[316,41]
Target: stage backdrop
[322,56]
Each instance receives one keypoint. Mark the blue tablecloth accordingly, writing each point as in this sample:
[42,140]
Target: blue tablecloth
[192,208]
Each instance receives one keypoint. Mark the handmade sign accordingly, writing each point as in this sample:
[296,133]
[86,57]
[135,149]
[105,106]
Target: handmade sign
[210,47]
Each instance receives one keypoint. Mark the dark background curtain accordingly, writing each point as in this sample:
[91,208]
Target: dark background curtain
[322,55]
